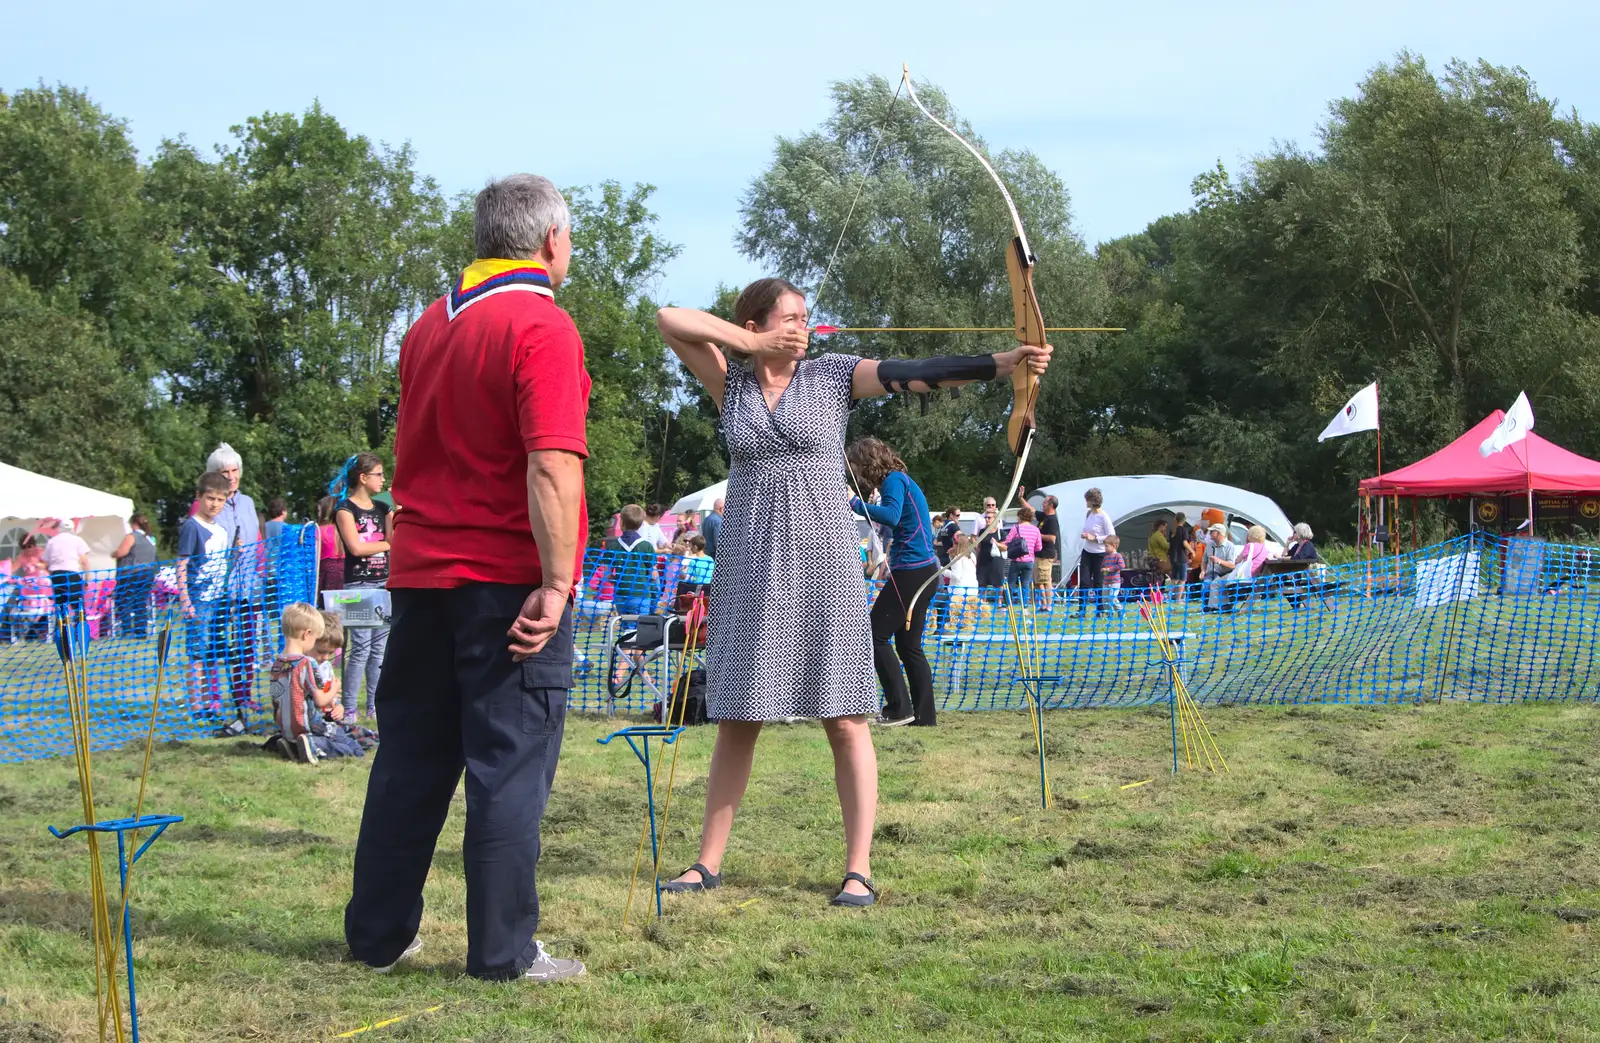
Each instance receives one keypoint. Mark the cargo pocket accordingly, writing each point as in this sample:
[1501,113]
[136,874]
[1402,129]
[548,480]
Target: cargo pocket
[546,677]
[544,695]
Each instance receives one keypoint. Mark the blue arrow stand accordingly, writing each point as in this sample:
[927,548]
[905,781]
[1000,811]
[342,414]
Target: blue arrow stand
[638,737]
[1171,664]
[120,826]
[1033,688]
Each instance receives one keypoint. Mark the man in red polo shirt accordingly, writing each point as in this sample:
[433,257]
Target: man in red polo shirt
[488,537]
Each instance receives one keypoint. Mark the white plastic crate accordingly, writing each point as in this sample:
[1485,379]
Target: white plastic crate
[360,608]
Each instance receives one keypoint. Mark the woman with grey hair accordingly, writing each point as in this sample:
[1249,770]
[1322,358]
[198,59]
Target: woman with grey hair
[246,583]
[1096,527]
[1300,547]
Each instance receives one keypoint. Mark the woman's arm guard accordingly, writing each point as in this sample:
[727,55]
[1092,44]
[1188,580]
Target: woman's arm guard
[898,374]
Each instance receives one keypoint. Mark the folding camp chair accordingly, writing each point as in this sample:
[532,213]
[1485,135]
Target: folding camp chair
[651,648]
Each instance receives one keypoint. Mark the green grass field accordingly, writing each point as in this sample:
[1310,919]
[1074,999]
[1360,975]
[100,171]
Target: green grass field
[1420,874]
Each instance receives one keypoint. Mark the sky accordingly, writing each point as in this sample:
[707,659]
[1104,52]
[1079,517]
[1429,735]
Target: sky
[1126,102]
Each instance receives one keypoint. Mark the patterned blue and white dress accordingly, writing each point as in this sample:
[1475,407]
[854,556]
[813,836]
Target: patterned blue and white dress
[789,635]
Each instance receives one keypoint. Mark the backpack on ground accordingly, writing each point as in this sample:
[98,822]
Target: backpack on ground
[688,701]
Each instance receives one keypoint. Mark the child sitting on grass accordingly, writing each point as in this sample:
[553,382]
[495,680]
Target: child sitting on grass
[329,646]
[298,700]
[325,651]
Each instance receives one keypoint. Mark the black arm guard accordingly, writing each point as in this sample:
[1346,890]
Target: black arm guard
[897,374]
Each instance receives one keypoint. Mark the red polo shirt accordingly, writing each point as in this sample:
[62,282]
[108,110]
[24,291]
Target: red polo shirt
[489,373]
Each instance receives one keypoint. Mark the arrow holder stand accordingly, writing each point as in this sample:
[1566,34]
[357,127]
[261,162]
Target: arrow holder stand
[639,737]
[1031,690]
[157,824]
[1171,662]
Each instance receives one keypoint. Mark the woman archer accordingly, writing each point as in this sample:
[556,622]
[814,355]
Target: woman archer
[788,628]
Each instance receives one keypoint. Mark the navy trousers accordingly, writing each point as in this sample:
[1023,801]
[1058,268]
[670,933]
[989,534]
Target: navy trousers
[451,700]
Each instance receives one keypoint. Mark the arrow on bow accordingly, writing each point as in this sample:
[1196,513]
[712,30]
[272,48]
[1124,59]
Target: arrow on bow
[826,330]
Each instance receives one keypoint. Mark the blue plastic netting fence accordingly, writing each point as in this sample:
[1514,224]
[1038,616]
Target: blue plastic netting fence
[1485,619]
[216,662]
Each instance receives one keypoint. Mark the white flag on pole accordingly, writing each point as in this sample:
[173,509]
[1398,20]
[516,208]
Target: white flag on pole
[1358,414]
[1514,426]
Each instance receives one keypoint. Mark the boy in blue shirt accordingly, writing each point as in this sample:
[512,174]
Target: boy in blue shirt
[202,584]
[633,560]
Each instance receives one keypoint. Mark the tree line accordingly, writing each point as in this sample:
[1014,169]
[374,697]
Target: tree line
[1443,238]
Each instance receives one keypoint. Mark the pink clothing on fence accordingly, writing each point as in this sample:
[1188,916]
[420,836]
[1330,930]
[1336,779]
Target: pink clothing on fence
[328,545]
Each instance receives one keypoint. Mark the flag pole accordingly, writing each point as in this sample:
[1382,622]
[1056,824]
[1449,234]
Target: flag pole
[1527,466]
[1379,522]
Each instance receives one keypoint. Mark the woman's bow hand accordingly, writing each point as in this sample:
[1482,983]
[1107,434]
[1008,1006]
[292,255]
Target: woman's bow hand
[1037,359]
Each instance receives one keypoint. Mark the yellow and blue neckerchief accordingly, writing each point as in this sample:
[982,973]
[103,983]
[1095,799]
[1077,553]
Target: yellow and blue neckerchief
[489,276]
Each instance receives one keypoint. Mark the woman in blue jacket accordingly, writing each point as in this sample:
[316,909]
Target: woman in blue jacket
[904,510]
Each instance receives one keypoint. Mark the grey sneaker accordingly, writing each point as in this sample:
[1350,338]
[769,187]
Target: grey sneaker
[410,951]
[304,752]
[885,721]
[548,968]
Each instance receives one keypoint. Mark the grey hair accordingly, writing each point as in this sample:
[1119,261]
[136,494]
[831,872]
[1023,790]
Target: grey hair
[1302,531]
[513,215]
[224,456]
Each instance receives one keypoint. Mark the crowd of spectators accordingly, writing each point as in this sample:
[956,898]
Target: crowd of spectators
[1021,562]
[652,559]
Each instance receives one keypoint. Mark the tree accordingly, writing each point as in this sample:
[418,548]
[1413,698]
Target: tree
[304,252]
[91,264]
[67,406]
[1431,244]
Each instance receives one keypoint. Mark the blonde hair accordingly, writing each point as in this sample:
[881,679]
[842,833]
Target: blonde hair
[332,630]
[299,617]
[1113,540]
[1255,534]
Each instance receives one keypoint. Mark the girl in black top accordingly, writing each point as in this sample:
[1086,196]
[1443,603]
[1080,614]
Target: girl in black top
[365,527]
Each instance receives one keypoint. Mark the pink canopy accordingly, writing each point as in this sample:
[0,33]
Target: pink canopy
[1458,469]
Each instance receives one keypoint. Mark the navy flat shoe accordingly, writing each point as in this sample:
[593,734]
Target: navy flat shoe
[859,901]
[708,880]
